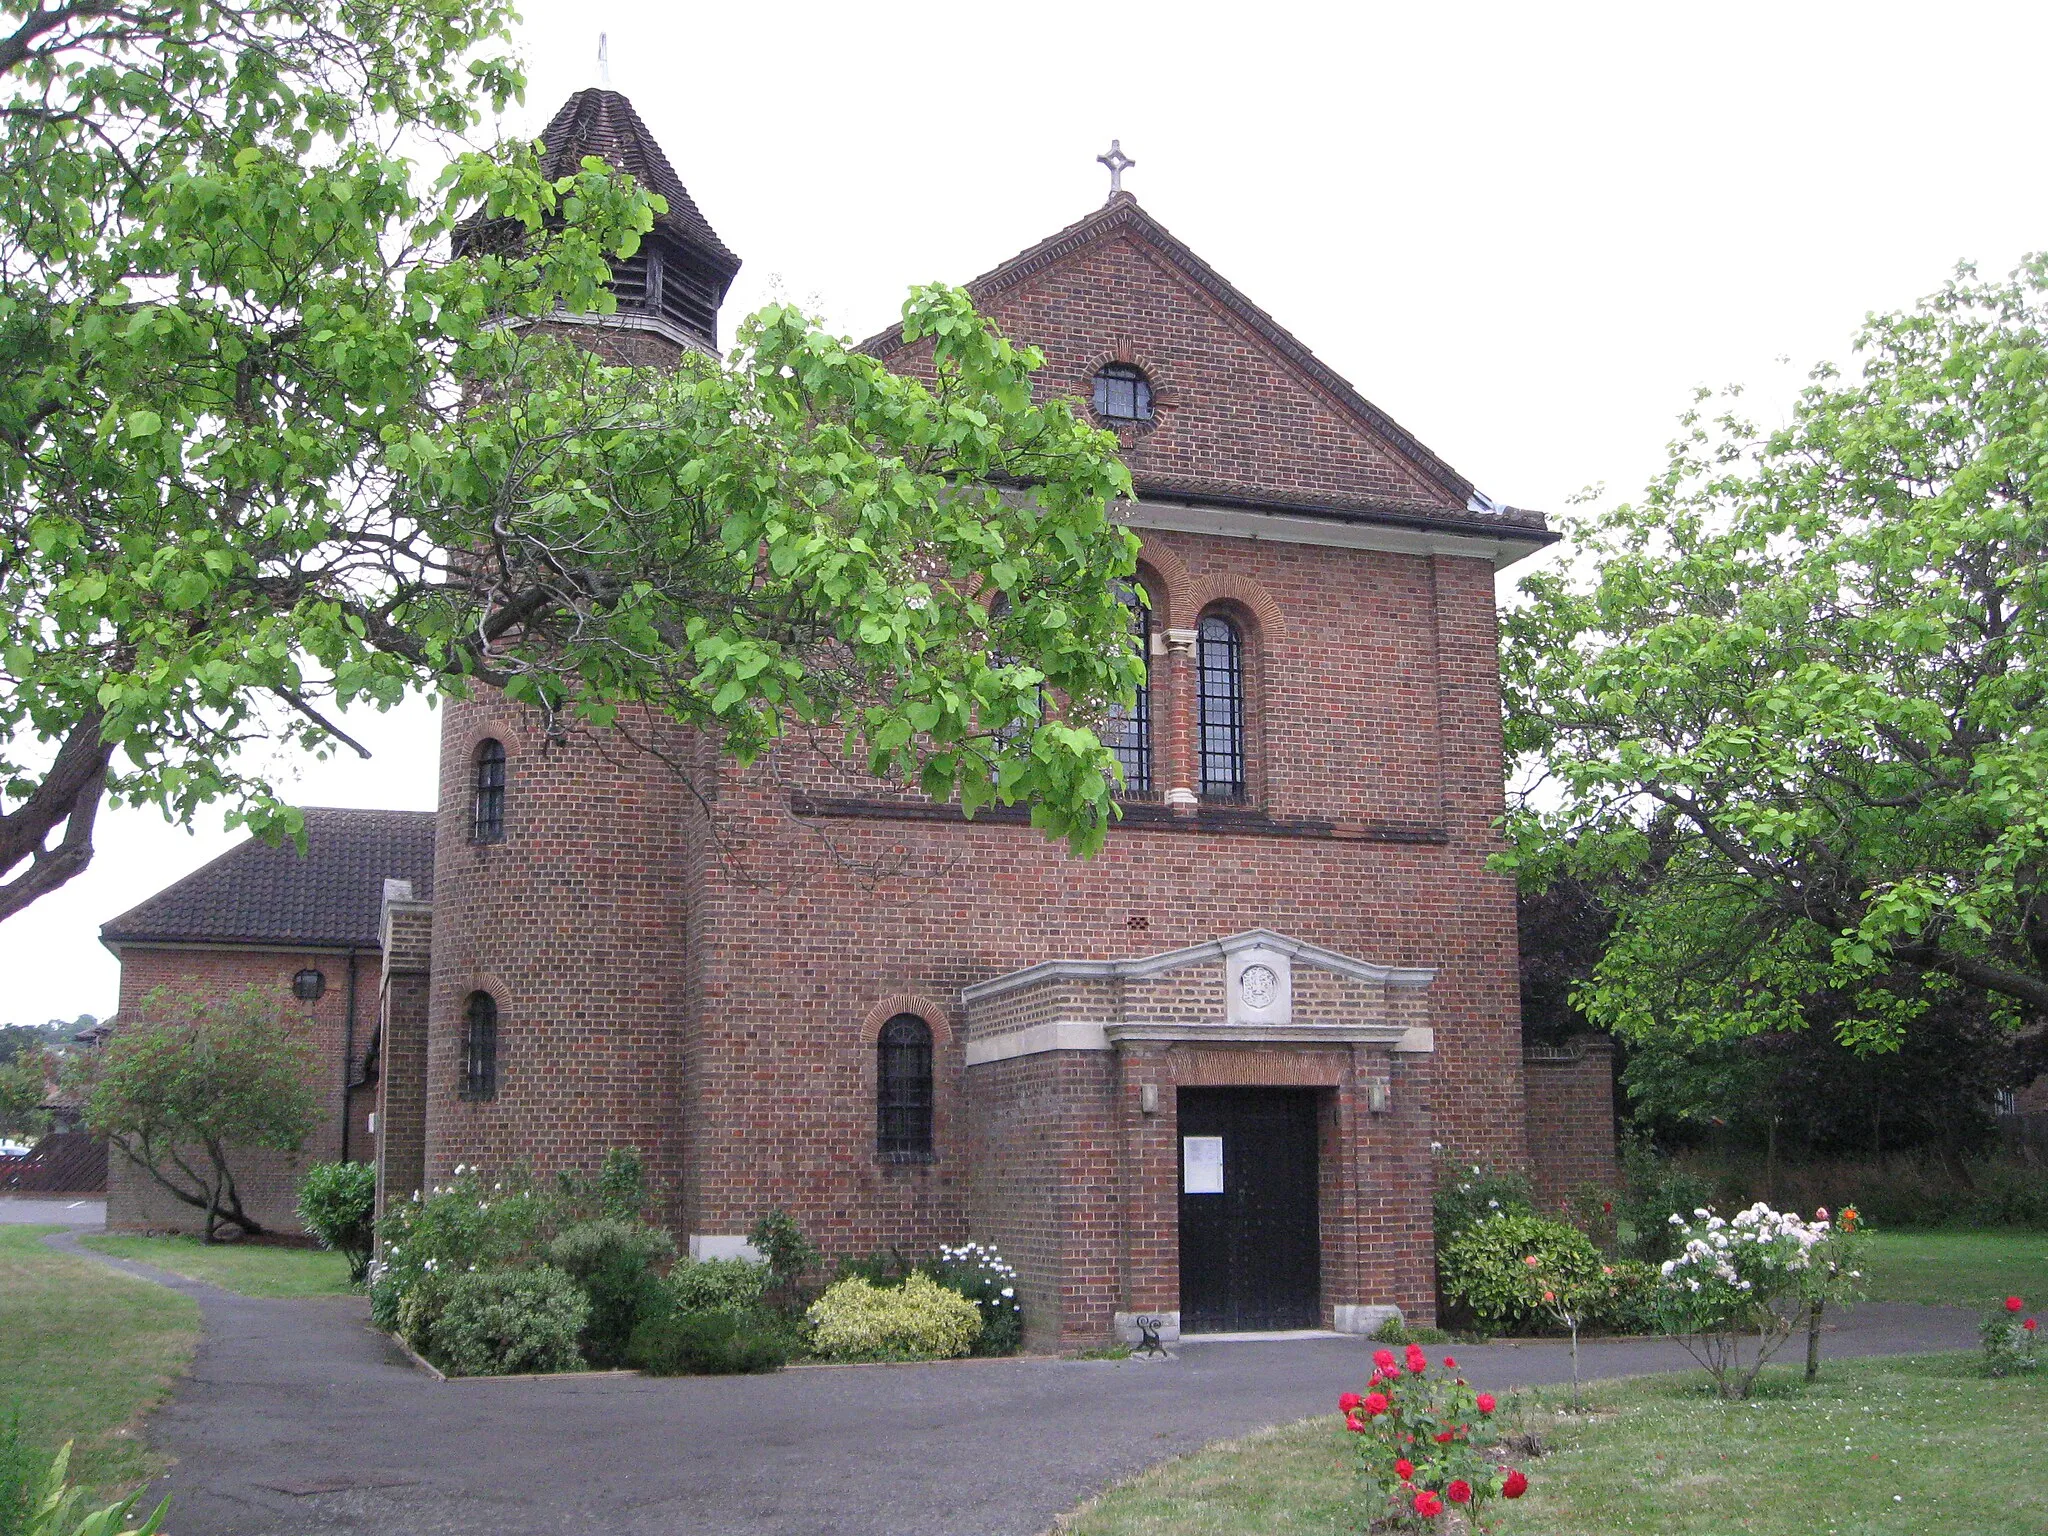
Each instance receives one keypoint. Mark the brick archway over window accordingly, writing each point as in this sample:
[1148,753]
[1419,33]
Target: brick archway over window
[492,725]
[932,1012]
[1229,588]
[1173,587]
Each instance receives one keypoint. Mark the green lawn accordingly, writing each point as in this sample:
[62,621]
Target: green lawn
[1877,1447]
[253,1269]
[85,1352]
[1967,1269]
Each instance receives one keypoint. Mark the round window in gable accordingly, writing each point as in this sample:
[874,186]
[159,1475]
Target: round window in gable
[308,984]
[1122,393]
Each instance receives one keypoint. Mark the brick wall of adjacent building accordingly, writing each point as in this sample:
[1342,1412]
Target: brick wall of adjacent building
[267,1180]
[1571,1117]
[405,981]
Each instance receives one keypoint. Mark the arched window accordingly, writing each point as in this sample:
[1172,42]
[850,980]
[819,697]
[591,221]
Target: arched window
[1122,393]
[480,1048]
[487,818]
[1219,665]
[1130,730]
[903,1090]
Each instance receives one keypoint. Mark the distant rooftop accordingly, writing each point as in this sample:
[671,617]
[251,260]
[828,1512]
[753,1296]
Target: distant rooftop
[333,895]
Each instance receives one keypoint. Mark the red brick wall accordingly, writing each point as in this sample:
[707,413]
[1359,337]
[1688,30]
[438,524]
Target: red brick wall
[267,1181]
[1571,1118]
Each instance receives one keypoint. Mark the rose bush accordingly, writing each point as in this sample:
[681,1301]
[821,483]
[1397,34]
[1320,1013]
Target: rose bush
[2011,1342]
[1422,1436]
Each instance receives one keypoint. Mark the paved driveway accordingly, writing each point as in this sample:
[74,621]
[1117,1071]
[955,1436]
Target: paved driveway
[62,1210]
[298,1419]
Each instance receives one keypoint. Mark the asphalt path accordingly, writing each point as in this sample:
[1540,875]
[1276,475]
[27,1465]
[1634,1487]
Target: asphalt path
[298,1418]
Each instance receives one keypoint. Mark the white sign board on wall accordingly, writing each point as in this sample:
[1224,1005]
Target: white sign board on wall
[1201,1165]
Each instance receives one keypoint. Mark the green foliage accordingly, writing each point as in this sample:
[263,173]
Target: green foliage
[1903,1190]
[1632,1302]
[250,400]
[338,1205]
[791,1257]
[2010,1340]
[1793,695]
[54,1508]
[25,1080]
[21,1476]
[979,1273]
[622,1186]
[506,1322]
[1653,1189]
[883,1268]
[186,1079]
[1396,1330]
[616,1262]
[450,1230]
[710,1343]
[1484,1270]
[1473,1192]
[919,1319]
[718,1285]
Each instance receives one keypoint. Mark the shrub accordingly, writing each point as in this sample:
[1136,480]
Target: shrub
[715,1343]
[503,1322]
[455,1228]
[618,1190]
[338,1205]
[1396,1330]
[1485,1268]
[1472,1192]
[978,1272]
[884,1269]
[2011,1343]
[1653,1189]
[919,1319]
[1632,1303]
[1421,1437]
[614,1261]
[717,1285]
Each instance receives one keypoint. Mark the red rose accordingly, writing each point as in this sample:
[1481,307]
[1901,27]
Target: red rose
[1354,1423]
[1515,1486]
[1485,1402]
[1348,1401]
[1459,1491]
[1418,1362]
[1607,1207]
[1428,1505]
[1376,1403]
[2013,1304]
[2031,1324]
[1450,1364]
[1404,1469]
[1444,1438]
[1384,1359]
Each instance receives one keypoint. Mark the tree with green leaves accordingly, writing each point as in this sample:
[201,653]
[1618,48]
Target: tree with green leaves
[1791,708]
[190,1084]
[285,428]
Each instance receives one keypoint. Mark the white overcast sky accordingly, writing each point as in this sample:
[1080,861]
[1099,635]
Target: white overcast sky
[1524,231]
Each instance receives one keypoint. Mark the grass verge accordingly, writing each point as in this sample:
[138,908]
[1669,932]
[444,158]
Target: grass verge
[1962,1269]
[85,1353]
[251,1269]
[1890,1447]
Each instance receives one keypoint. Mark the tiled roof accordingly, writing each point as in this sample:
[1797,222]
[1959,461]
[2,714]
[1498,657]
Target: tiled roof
[257,894]
[603,123]
[1122,213]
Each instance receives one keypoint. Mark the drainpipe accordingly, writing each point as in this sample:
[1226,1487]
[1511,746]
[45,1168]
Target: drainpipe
[348,1052]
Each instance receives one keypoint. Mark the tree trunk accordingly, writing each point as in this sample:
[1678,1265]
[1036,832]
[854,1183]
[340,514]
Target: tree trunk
[1813,1341]
[1771,1162]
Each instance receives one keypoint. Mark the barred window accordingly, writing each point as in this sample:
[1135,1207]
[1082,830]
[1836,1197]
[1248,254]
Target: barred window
[903,1090]
[1130,730]
[480,1048]
[1122,393]
[1220,686]
[487,821]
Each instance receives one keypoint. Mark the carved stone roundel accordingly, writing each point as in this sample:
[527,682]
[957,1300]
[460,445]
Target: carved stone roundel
[1258,985]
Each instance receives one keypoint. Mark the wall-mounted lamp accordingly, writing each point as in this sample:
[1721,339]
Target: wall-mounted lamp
[1148,1098]
[1376,1098]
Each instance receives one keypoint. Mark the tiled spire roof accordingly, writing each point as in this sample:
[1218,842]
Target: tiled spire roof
[257,894]
[603,123]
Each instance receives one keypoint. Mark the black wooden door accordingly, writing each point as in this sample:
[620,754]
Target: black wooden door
[1250,1256]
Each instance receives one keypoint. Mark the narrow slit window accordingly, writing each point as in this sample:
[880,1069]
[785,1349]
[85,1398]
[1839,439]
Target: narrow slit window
[1220,686]
[487,820]
[480,1048]
[1130,730]
[903,1090]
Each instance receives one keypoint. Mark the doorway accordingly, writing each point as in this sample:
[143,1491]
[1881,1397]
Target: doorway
[1250,1250]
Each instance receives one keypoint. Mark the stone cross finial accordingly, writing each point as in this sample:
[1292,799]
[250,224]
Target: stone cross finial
[1118,162]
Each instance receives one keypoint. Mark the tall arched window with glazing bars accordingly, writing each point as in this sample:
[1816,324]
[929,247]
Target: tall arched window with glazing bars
[1130,730]
[479,1048]
[903,1090]
[487,801]
[1219,668]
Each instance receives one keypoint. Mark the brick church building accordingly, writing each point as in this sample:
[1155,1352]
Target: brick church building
[1196,1078]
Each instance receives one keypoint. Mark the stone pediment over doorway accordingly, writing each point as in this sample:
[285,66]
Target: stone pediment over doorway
[1256,987]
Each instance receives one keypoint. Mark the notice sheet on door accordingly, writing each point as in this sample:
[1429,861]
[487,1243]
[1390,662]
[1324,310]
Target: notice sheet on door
[1201,1165]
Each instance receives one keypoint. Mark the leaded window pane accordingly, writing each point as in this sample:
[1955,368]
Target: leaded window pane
[487,823]
[1130,730]
[480,1048]
[1220,692]
[903,1089]
[1123,394]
